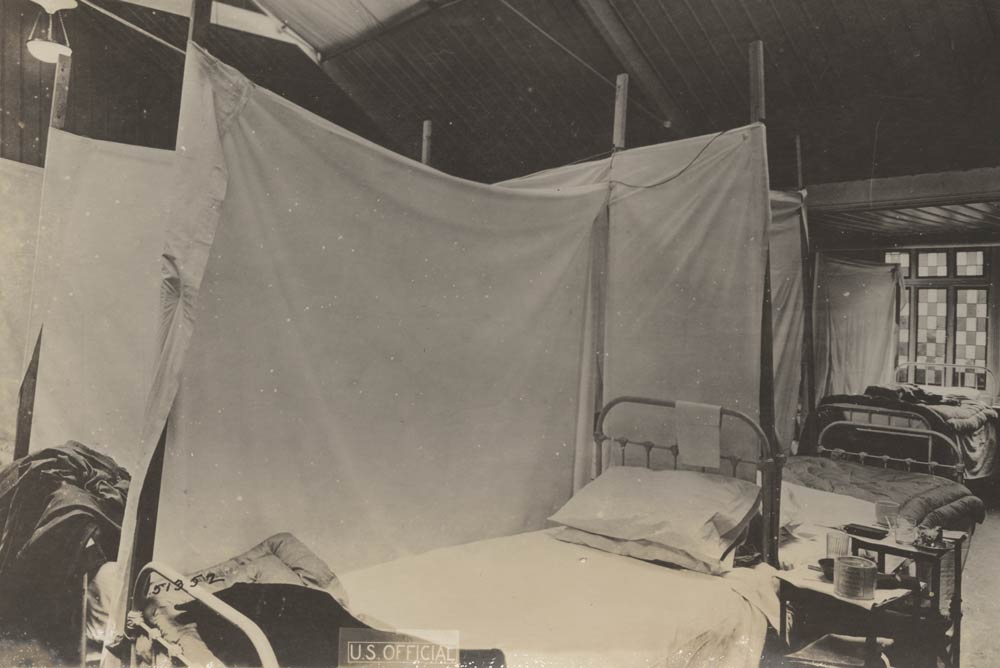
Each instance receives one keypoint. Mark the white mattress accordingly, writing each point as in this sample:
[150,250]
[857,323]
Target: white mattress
[547,603]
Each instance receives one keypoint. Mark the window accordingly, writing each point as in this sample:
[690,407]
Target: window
[943,316]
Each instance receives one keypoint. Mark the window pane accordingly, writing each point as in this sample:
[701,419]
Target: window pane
[932,311]
[969,263]
[902,259]
[932,264]
[971,322]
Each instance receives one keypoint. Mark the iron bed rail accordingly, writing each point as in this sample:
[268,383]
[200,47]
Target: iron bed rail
[769,463]
[911,418]
[931,436]
[212,602]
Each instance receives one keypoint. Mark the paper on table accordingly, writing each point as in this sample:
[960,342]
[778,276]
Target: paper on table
[805,578]
[698,434]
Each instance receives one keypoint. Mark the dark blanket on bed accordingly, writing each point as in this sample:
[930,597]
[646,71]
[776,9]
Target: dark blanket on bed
[924,499]
[60,516]
[302,625]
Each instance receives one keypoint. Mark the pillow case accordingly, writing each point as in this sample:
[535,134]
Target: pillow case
[696,517]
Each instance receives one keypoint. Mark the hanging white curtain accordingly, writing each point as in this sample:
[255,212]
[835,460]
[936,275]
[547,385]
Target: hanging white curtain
[856,328]
[361,350]
[20,195]
[103,217]
[685,280]
[787,310]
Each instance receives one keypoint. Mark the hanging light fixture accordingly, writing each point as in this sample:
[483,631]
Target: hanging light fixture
[45,44]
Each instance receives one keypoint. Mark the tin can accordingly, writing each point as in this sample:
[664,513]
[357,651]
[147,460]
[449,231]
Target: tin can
[854,577]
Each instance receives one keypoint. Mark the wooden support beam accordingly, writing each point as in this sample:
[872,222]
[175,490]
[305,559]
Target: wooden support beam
[621,111]
[757,108]
[425,145]
[201,18]
[599,304]
[799,181]
[235,18]
[808,290]
[605,18]
[60,93]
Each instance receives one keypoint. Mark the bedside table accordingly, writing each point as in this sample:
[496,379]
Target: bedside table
[819,609]
[927,607]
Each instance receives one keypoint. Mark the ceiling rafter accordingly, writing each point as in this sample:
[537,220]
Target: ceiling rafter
[236,18]
[605,18]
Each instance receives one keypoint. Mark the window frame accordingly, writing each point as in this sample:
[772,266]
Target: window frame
[951,283]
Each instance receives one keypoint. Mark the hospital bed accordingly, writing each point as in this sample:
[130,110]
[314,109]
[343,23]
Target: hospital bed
[874,453]
[539,598]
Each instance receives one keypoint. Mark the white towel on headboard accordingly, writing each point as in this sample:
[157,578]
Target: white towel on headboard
[698,437]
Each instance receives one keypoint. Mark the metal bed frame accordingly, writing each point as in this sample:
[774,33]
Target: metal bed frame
[955,471]
[769,463]
[136,626]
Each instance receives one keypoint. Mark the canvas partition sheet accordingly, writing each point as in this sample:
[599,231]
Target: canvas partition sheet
[787,309]
[685,281]
[382,359]
[97,292]
[688,252]
[20,194]
[855,324]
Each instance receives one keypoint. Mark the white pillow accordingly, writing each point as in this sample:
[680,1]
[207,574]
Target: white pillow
[698,515]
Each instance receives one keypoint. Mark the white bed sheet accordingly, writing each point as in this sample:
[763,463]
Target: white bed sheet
[811,514]
[547,604]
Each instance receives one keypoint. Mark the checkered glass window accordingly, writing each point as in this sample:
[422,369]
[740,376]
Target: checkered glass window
[932,264]
[969,263]
[902,259]
[932,312]
[970,335]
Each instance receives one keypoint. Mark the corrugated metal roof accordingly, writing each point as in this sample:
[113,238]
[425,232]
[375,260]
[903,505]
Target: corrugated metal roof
[505,100]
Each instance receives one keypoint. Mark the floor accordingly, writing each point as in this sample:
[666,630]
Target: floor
[981,589]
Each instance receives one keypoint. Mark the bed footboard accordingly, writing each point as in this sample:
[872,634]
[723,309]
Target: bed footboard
[924,439]
[769,461]
[137,627]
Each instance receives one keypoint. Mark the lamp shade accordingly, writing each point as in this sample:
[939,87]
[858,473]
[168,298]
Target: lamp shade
[53,6]
[46,50]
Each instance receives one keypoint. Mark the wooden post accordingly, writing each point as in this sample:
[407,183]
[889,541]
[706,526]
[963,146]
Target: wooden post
[799,181]
[766,409]
[808,288]
[621,110]
[425,146]
[201,18]
[757,109]
[60,93]
[599,260]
